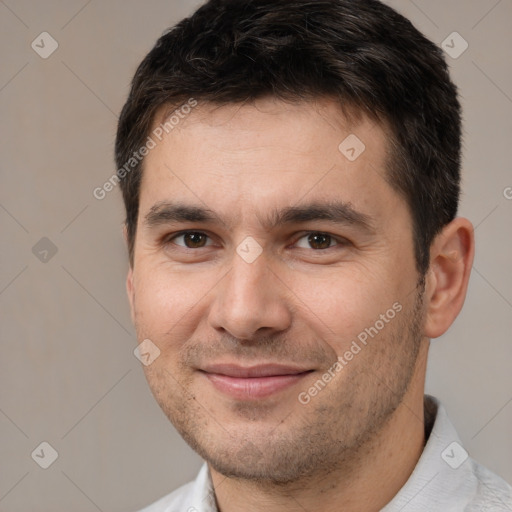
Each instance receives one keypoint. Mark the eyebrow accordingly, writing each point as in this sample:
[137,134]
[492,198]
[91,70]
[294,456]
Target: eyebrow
[165,212]
[337,212]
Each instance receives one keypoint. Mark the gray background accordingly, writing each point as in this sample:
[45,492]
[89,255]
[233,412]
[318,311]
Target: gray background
[67,369]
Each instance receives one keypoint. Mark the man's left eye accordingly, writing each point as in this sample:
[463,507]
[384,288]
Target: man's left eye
[317,241]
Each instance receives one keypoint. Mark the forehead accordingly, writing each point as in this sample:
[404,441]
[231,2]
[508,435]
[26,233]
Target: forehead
[247,158]
[266,118]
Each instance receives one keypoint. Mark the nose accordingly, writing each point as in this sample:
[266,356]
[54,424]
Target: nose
[250,301]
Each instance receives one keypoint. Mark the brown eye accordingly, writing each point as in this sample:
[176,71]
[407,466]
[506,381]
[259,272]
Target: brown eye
[317,241]
[191,239]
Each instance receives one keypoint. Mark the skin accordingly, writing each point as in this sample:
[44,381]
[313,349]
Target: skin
[358,439]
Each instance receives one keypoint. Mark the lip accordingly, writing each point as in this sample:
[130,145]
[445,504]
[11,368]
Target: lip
[254,382]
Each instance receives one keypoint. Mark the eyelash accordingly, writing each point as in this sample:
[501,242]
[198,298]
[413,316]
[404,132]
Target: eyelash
[339,241]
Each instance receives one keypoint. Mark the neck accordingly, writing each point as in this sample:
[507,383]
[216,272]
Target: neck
[365,484]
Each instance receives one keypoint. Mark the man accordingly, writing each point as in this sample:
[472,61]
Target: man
[290,171]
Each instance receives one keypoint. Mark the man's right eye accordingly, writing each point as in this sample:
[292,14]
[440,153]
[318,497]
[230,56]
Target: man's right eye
[190,239]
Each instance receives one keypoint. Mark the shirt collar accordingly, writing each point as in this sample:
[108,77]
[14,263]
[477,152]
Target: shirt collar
[443,478]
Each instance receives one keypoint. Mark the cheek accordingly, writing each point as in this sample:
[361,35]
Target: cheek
[166,301]
[340,307]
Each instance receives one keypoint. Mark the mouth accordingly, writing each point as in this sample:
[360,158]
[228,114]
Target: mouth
[254,382]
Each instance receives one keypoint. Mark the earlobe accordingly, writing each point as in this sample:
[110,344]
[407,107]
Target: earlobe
[451,260]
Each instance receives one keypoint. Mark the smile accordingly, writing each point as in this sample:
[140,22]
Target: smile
[252,383]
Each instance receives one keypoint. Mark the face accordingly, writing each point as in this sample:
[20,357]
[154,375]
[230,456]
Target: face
[274,270]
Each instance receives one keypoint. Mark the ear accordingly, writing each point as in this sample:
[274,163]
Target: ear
[451,260]
[129,280]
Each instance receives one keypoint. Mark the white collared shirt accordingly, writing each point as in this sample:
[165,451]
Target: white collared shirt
[445,479]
